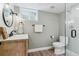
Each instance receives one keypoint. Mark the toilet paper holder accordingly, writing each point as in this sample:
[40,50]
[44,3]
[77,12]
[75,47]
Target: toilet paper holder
[52,37]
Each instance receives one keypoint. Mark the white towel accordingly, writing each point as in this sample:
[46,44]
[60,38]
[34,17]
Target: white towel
[38,28]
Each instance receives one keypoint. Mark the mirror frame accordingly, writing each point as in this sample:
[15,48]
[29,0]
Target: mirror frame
[5,19]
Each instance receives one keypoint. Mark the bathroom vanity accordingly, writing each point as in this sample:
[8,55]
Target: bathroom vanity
[16,45]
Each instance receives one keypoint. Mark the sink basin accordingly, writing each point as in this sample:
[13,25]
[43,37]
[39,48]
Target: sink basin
[19,37]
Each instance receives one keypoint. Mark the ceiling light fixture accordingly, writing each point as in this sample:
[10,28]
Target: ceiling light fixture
[52,6]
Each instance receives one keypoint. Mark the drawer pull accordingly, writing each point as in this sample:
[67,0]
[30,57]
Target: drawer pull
[0,43]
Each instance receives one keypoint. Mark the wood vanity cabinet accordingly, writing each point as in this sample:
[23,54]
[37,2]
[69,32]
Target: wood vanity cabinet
[14,48]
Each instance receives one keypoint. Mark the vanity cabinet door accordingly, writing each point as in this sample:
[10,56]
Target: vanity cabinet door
[27,46]
[8,48]
[1,49]
[14,48]
[21,48]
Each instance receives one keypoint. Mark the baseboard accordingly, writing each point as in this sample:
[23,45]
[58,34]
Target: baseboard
[39,49]
[70,53]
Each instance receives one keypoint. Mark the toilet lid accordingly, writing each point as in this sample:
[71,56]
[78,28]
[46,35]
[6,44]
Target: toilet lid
[58,44]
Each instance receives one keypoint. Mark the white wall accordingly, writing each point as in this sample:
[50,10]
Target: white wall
[62,18]
[1,20]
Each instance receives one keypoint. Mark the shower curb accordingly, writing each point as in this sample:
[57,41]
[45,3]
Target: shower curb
[70,53]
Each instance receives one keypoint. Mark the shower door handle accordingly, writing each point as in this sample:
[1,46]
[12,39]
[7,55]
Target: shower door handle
[73,33]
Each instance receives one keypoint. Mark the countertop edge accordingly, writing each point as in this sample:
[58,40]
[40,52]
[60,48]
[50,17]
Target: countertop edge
[12,40]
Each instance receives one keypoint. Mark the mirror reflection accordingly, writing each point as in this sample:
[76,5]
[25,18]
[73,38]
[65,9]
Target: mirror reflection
[7,15]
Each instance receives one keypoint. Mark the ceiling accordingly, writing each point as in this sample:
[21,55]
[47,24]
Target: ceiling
[56,7]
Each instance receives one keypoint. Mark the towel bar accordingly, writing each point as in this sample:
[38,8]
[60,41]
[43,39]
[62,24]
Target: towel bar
[34,25]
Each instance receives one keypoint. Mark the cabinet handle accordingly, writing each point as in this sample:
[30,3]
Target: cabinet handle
[0,43]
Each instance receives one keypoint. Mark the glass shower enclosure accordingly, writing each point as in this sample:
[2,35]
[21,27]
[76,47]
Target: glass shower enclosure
[72,29]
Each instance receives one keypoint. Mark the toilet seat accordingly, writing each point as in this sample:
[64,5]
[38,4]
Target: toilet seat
[58,44]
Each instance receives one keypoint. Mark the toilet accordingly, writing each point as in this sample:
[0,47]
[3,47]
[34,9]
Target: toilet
[60,46]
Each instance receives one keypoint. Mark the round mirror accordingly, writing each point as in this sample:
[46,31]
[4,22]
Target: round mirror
[7,16]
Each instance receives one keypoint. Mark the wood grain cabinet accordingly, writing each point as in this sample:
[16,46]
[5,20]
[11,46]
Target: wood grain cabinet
[14,48]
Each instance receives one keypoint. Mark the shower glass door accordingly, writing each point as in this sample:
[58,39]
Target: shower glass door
[72,29]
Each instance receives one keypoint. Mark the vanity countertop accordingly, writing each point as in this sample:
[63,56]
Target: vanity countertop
[17,37]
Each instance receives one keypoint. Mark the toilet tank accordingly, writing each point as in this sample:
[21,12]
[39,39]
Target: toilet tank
[63,39]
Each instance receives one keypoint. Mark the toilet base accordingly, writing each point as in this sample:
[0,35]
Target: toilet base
[59,50]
